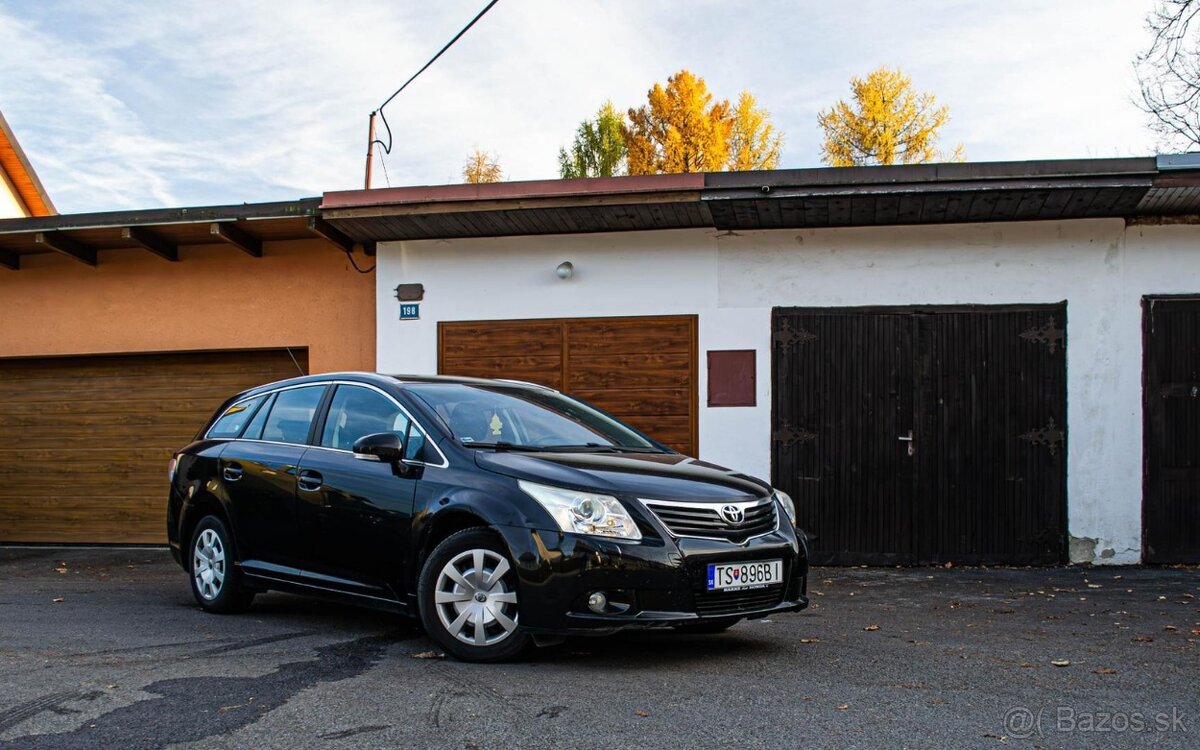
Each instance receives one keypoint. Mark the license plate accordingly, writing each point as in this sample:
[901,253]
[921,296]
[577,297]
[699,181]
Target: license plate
[745,575]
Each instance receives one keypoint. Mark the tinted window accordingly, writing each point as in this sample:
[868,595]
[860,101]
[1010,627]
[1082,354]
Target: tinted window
[234,419]
[255,429]
[292,414]
[487,414]
[355,412]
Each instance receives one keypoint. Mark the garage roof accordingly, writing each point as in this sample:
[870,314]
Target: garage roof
[162,231]
[788,198]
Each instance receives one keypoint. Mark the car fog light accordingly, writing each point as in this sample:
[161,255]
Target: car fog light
[597,602]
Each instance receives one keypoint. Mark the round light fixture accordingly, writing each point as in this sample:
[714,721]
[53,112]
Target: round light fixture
[565,270]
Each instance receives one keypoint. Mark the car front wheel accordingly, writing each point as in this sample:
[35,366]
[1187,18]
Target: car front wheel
[468,598]
[216,581]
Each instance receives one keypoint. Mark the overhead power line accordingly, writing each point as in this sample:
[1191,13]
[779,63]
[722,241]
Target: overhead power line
[387,147]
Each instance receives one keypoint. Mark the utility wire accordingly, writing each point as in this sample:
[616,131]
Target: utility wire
[387,147]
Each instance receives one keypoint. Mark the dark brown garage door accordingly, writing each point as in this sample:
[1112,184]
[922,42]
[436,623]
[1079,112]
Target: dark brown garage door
[84,441]
[923,436]
[641,370]
[1171,499]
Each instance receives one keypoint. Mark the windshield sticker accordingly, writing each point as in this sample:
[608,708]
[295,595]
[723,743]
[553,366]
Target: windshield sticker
[467,439]
[496,424]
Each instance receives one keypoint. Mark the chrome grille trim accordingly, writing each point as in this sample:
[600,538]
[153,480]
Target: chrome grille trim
[703,520]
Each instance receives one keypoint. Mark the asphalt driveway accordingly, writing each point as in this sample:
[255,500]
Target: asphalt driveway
[105,649]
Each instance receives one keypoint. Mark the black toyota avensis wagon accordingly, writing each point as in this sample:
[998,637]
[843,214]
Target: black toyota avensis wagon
[497,512]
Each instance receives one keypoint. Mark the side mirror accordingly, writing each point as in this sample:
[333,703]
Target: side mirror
[387,447]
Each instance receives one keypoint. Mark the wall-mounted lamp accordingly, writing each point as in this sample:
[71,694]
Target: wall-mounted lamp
[565,270]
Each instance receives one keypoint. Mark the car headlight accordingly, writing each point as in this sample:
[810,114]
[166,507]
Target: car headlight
[581,512]
[789,507]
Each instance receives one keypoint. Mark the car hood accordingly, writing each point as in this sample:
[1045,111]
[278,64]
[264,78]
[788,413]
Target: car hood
[651,475]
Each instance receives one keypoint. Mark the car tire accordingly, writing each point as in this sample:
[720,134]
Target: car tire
[708,627]
[215,578]
[468,609]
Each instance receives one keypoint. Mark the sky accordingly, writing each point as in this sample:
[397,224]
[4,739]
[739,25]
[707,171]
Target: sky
[129,105]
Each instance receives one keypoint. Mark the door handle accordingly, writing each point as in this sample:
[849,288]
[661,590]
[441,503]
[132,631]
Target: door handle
[907,439]
[310,480]
[232,472]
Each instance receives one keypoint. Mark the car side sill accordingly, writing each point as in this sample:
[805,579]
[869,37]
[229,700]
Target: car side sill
[261,579]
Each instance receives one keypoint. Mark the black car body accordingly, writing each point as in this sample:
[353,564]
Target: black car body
[294,489]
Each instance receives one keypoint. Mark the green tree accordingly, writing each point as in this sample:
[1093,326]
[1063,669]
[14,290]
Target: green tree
[598,149]
[887,123]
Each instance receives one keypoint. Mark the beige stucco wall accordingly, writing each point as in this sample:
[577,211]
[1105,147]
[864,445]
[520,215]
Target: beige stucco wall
[299,294]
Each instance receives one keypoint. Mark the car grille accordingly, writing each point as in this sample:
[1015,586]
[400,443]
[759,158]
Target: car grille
[705,520]
[732,602]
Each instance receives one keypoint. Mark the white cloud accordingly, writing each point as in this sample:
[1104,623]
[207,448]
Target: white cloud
[122,105]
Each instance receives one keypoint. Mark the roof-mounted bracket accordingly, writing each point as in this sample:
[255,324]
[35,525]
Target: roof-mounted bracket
[61,243]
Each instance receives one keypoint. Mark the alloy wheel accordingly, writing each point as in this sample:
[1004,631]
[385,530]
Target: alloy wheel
[474,602]
[208,564]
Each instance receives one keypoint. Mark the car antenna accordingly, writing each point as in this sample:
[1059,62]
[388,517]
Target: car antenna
[294,362]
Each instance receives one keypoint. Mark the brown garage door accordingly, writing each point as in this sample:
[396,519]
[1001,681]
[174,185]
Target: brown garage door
[641,370]
[84,441]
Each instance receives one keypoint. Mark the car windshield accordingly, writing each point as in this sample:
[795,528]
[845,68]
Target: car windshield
[517,418]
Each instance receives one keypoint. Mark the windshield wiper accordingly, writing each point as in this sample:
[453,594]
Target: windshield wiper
[504,445]
[599,448]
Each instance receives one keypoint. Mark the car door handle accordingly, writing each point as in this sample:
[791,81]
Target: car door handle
[310,480]
[232,473]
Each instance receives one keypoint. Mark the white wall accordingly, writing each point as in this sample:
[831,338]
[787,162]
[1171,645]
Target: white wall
[733,280]
[10,206]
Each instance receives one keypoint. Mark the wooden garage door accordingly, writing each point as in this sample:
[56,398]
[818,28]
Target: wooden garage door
[641,370]
[923,435]
[84,441]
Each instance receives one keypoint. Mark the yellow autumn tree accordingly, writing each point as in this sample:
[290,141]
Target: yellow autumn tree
[481,167]
[753,141]
[678,129]
[887,123]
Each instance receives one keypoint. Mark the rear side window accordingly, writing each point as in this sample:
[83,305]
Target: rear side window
[255,430]
[292,414]
[230,424]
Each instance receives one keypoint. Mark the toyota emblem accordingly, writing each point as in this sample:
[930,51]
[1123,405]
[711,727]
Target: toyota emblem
[733,514]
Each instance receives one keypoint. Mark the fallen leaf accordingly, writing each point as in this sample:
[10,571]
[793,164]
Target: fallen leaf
[844,707]
[1162,598]
[1195,631]
[429,655]
[1104,670]
[1093,585]
[810,640]
[640,713]
[1170,628]
[948,564]
[110,687]
[1142,639]
[1061,662]
[58,599]
[871,627]
[1027,665]
[61,568]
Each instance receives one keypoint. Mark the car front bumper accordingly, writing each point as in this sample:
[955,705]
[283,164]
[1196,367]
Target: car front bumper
[656,582]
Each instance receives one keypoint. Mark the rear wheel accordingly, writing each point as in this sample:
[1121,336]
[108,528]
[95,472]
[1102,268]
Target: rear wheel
[216,581]
[468,598]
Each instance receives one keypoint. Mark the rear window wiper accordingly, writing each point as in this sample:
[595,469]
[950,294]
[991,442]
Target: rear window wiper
[503,445]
